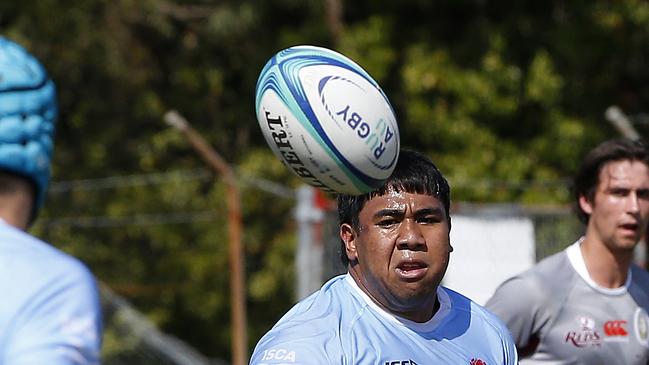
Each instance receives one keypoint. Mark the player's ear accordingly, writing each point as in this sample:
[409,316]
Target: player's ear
[348,236]
[585,205]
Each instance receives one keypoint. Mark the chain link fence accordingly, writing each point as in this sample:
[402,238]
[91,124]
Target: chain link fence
[131,339]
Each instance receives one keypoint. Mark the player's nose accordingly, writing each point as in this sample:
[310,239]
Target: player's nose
[633,203]
[410,235]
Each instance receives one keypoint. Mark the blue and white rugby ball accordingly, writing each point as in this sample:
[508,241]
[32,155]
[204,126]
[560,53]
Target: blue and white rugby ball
[327,120]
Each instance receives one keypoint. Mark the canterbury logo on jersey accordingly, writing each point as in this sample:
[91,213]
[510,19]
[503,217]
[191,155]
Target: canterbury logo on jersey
[615,328]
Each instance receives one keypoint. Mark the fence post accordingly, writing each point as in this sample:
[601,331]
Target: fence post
[237,272]
[310,250]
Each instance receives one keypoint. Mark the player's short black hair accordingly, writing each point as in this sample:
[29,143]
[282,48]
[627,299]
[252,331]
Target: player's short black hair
[414,173]
[586,179]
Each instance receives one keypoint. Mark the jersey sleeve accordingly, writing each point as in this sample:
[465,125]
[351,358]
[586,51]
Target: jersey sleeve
[519,303]
[501,338]
[61,323]
[509,348]
[310,349]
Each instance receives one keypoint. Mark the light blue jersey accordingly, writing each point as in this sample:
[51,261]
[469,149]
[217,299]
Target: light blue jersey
[49,306]
[341,325]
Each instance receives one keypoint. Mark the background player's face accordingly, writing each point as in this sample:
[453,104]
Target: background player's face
[400,252]
[619,212]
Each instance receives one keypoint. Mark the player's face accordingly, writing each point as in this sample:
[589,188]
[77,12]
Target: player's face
[400,252]
[619,212]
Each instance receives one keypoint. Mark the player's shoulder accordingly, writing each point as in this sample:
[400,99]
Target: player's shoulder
[310,332]
[548,276]
[549,266]
[325,308]
[461,303]
[480,323]
[302,350]
[291,345]
[36,260]
[541,286]
[45,291]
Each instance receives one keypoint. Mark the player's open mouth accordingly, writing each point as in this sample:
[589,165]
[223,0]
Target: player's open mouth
[629,227]
[412,270]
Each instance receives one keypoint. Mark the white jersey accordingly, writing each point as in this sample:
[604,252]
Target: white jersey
[574,321]
[341,325]
[49,306]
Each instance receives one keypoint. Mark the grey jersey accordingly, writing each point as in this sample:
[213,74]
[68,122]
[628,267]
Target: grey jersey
[574,320]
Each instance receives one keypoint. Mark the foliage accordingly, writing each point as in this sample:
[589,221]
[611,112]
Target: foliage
[505,97]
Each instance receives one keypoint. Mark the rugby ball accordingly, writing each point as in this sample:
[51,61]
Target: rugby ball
[327,120]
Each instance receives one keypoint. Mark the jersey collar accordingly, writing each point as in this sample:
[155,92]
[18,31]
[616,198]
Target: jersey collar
[577,261]
[421,327]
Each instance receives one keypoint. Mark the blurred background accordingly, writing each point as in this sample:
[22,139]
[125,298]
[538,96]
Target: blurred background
[504,96]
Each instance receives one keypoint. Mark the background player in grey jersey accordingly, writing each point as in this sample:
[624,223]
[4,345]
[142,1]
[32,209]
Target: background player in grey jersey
[588,304]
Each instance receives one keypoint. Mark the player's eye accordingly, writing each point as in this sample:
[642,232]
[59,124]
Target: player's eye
[429,219]
[620,192]
[643,194]
[387,222]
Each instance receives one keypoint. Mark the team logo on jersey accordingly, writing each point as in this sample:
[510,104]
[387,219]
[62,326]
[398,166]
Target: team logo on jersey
[279,354]
[641,326]
[400,362]
[586,336]
[615,330]
[478,362]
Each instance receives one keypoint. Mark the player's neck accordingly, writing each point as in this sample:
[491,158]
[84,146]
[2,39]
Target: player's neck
[606,268]
[15,209]
[419,312]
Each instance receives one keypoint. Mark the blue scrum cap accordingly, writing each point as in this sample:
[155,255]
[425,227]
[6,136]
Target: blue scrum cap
[28,114]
